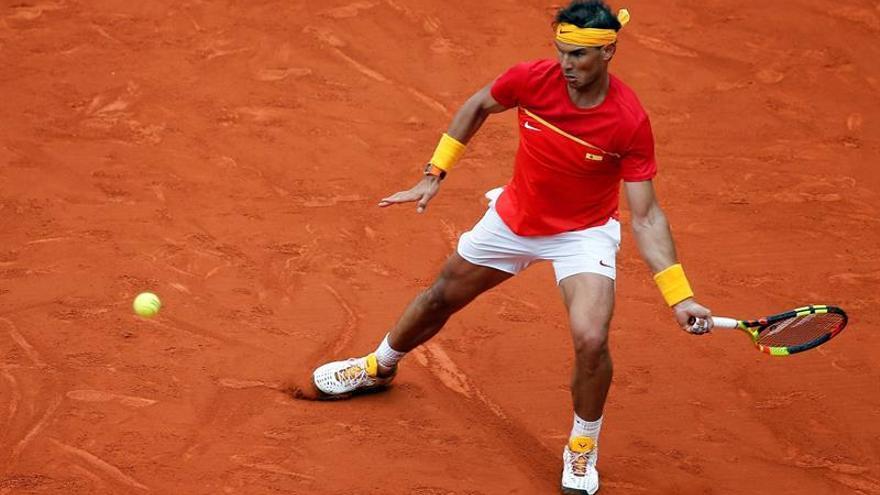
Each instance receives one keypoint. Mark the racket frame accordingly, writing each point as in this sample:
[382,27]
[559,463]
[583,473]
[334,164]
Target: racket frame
[753,328]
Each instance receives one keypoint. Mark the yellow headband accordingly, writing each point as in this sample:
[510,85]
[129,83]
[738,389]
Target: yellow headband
[573,35]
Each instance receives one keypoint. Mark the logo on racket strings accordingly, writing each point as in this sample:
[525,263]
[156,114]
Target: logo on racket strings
[782,325]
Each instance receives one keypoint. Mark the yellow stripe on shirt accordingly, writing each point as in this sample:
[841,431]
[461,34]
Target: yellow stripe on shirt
[567,135]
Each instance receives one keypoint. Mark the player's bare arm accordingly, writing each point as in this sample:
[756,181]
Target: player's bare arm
[466,122]
[654,239]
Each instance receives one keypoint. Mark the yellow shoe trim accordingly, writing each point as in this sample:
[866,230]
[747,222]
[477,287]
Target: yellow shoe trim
[372,365]
[581,444]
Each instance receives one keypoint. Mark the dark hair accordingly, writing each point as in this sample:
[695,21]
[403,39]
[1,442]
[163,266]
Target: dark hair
[588,14]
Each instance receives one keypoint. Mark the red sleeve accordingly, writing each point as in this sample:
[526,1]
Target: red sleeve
[638,162]
[509,86]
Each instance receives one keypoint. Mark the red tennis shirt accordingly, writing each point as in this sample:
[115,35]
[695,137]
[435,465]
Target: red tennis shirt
[570,160]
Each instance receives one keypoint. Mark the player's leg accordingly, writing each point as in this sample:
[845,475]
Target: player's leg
[584,262]
[459,283]
[589,298]
[487,255]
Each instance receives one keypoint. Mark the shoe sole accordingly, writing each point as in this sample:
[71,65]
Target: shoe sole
[324,396]
[574,491]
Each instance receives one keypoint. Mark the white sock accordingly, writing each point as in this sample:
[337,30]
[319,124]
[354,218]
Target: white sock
[584,428]
[387,356]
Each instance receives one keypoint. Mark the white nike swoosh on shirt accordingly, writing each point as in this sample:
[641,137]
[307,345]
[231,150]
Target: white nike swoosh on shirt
[529,126]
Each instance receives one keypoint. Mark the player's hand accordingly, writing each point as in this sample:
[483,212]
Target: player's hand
[422,192]
[693,317]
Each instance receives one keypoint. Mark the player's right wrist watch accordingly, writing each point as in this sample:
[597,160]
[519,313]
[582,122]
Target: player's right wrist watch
[431,169]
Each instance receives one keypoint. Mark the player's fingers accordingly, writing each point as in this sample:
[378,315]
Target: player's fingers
[423,203]
[394,198]
[699,326]
[399,197]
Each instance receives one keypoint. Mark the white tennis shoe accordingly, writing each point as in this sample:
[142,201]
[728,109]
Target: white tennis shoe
[340,379]
[579,475]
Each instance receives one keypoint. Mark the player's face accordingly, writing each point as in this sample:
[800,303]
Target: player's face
[581,65]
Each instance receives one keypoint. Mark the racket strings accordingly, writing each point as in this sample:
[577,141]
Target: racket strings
[799,330]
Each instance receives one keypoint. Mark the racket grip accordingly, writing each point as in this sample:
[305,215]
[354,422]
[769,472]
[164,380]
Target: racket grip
[722,322]
[718,322]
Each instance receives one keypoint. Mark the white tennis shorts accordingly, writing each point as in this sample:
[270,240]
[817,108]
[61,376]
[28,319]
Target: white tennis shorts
[491,243]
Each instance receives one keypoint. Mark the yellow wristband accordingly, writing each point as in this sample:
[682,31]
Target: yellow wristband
[673,284]
[448,151]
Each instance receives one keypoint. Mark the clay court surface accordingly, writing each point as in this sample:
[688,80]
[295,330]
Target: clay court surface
[229,156]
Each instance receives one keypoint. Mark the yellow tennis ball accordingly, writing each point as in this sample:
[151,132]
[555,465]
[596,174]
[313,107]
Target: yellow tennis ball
[147,304]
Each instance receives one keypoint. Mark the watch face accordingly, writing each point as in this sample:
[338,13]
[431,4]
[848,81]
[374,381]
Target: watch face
[435,171]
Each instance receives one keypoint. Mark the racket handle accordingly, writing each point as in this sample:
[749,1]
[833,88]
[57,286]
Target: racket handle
[719,322]
[722,322]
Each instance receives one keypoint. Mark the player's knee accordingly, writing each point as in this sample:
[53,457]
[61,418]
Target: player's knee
[447,295]
[436,299]
[590,342]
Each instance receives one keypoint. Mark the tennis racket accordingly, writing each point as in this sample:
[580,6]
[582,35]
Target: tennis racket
[791,332]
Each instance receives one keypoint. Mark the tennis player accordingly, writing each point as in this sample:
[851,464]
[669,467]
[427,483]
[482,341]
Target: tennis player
[582,131]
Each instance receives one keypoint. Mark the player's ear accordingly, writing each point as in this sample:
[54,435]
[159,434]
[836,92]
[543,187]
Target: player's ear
[608,52]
